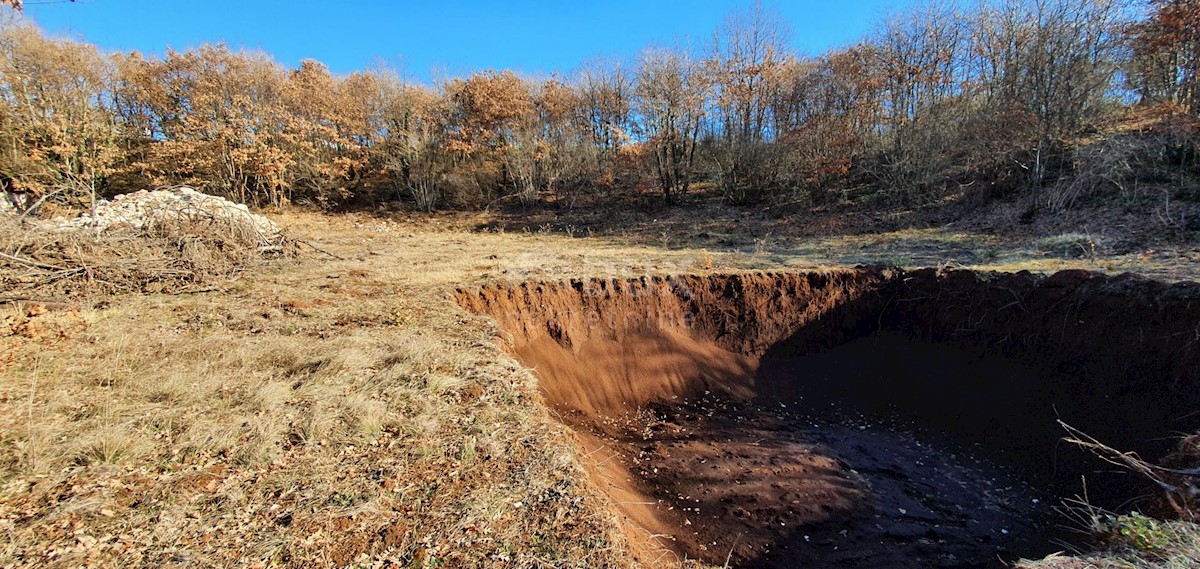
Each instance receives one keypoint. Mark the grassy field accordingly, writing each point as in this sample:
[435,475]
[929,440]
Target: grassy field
[339,409]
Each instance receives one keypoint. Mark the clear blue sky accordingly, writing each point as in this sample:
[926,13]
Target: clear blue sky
[451,36]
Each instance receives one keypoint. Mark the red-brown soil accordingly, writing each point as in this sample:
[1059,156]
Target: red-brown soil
[854,418]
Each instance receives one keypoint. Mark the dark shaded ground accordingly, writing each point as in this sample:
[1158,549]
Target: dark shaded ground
[768,488]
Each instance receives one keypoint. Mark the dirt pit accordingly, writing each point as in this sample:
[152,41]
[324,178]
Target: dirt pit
[857,418]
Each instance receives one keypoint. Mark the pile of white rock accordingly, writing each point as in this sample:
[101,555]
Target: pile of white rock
[145,209]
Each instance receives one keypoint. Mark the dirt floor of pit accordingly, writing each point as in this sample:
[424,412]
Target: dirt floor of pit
[764,487]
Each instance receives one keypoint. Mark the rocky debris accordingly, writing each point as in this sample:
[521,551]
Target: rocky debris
[11,203]
[146,209]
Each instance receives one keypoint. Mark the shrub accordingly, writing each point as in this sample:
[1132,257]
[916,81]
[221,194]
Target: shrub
[1070,245]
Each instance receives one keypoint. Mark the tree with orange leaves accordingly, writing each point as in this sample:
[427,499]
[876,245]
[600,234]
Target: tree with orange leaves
[57,131]
[1166,54]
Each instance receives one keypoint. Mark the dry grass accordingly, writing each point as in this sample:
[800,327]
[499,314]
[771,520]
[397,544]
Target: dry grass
[1070,245]
[316,412]
[1129,541]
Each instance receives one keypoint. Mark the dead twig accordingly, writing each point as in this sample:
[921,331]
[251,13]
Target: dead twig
[31,263]
[1128,459]
[319,250]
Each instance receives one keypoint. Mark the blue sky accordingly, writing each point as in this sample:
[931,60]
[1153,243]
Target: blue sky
[424,39]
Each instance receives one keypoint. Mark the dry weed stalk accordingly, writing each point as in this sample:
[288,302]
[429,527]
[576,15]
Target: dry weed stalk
[1180,486]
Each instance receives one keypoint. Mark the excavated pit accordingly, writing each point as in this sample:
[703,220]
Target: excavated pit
[856,418]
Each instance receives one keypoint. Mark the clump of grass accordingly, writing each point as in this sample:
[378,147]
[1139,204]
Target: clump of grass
[1135,539]
[1129,540]
[1069,245]
[1140,534]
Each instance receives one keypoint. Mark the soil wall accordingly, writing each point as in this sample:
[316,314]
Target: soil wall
[1096,342]
[609,345]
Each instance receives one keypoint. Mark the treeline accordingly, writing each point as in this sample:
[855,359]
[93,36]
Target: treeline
[994,93]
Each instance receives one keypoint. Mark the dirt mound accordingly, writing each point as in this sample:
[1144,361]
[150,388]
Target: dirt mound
[857,418]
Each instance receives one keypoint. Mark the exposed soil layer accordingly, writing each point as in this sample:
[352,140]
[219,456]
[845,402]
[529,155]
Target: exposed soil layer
[856,418]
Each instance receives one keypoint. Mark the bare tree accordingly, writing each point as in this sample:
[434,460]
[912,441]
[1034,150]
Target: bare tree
[922,68]
[606,91]
[671,96]
[746,65]
[1051,60]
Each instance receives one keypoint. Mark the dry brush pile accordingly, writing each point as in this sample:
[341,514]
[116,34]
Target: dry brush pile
[163,241]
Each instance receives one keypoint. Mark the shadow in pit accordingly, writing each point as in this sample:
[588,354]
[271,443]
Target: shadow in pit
[983,366]
[762,488]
